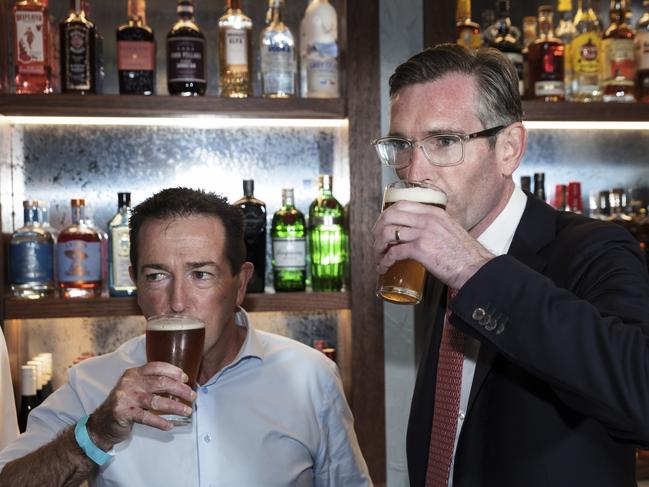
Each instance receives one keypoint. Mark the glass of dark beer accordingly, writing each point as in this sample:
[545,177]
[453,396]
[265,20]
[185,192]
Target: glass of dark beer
[403,282]
[178,340]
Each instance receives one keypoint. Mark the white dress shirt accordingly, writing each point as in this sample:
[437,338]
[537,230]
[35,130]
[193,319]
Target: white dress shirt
[8,420]
[496,238]
[276,416]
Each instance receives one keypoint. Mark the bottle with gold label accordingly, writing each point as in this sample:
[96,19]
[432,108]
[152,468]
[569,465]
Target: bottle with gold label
[235,51]
[642,54]
[586,55]
[566,32]
[618,56]
[468,32]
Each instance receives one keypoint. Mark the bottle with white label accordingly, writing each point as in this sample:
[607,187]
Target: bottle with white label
[288,234]
[319,76]
[28,398]
[278,63]
[186,73]
[235,52]
[119,249]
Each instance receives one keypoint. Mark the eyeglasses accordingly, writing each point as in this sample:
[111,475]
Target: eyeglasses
[439,149]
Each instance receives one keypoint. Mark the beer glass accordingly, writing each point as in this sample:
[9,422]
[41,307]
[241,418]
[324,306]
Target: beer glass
[403,282]
[178,340]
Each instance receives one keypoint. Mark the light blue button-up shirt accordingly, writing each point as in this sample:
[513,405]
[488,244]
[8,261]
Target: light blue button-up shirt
[276,416]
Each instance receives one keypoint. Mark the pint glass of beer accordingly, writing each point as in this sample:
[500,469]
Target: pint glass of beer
[403,283]
[178,340]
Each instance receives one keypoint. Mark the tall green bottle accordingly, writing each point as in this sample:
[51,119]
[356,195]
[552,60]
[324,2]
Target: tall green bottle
[288,233]
[327,239]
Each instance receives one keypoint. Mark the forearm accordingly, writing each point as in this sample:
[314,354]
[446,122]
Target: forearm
[59,463]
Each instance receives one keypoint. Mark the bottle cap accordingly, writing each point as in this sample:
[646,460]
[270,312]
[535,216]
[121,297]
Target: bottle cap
[78,202]
[123,199]
[248,187]
[30,204]
[325,181]
[28,380]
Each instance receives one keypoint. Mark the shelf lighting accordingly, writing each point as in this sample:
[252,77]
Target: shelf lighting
[567,125]
[184,122]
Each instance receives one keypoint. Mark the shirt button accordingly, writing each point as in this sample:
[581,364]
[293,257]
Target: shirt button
[207,438]
[204,390]
[462,415]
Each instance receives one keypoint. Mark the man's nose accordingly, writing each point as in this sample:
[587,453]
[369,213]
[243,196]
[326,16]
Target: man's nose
[178,298]
[419,168]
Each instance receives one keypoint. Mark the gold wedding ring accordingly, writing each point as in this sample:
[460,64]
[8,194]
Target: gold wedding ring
[397,237]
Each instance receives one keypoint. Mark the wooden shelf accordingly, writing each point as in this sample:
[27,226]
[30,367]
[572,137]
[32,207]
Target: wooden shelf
[169,106]
[92,307]
[589,112]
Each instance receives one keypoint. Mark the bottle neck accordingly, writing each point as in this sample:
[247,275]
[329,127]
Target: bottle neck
[617,14]
[77,214]
[276,14]
[463,11]
[137,11]
[29,216]
[545,26]
[288,200]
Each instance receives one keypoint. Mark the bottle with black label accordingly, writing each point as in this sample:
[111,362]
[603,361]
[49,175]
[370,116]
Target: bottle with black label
[28,399]
[186,73]
[254,214]
[78,68]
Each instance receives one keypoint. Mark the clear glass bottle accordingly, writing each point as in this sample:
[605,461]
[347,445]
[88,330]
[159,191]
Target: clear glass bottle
[546,60]
[327,239]
[186,73]
[319,51]
[136,53]
[469,33]
[278,63]
[32,47]
[566,32]
[235,52]
[642,54]
[78,68]
[586,55]
[254,218]
[28,398]
[618,57]
[288,233]
[79,256]
[31,257]
[119,249]
[507,39]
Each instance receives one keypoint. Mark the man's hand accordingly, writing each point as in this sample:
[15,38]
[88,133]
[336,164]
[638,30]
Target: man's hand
[428,235]
[138,392]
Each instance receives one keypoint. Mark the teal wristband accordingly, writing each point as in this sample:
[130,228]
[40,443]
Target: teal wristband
[91,450]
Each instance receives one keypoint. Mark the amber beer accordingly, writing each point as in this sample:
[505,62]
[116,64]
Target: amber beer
[403,282]
[178,340]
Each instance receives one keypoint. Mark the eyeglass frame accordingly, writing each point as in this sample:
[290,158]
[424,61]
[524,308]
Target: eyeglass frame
[416,143]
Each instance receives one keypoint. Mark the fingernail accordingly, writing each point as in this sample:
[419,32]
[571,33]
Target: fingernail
[193,395]
[188,411]
[185,378]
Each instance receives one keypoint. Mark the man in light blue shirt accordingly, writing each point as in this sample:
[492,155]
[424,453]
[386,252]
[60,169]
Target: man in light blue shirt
[268,411]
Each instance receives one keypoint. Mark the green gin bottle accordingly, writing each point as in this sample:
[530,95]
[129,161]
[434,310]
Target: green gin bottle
[327,239]
[288,232]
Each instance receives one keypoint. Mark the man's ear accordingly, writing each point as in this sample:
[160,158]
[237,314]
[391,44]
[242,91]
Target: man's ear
[510,147]
[245,274]
[131,272]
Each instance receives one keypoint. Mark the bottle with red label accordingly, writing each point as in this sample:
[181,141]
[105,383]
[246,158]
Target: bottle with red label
[546,61]
[31,46]
[136,53]
[618,56]
[77,51]
[642,54]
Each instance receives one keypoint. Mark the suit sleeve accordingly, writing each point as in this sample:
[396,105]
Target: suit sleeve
[587,337]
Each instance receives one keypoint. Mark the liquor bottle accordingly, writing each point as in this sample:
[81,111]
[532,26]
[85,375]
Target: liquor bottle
[327,239]
[642,54]
[28,398]
[254,220]
[136,53]
[618,56]
[235,52]
[31,46]
[319,51]
[55,52]
[507,39]
[604,205]
[566,32]
[31,257]
[586,55]
[186,54]
[560,197]
[79,256]
[539,185]
[38,367]
[619,215]
[289,246]
[526,183]
[78,68]
[530,34]
[46,359]
[546,60]
[278,64]
[468,32]
[574,202]
[119,249]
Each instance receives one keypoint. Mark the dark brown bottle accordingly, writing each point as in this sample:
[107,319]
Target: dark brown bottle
[28,398]
[186,74]
[78,69]
[254,214]
[539,185]
[136,53]
[546,61]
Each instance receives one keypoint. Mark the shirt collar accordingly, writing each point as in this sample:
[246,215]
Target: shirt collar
[252,345]
[498,236]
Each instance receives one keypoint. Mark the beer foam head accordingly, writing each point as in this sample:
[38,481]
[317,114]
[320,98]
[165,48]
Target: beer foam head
[173,323]
[430,196]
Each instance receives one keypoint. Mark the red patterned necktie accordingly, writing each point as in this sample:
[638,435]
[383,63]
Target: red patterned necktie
[447,402]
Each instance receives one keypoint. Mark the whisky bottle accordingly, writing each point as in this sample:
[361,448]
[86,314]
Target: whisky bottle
[186,74]
[642,54]
[136,53]
[31,47]
[319,51]
[586,55]
[566,32]
[526,183]
[468,31]
[235,52]
[31,257]
[546,61]
[618,56]
[539,185]
[79,256]
[278,64]
[507,39]
[327,239]
[28,398]
[119,249]
[78,68]
[289,246]
[254,230]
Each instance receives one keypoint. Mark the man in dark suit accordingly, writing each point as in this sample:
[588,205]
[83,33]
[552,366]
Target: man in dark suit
[538,373]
